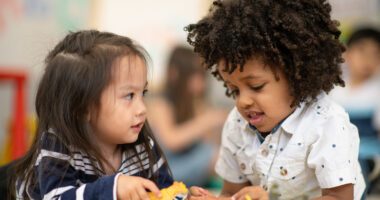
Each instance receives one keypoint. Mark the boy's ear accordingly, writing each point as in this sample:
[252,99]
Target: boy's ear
[345,55]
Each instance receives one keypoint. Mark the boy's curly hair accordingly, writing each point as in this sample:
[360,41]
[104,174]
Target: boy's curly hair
[297,37]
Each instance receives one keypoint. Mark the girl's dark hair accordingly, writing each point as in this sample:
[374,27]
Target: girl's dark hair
[297,37]
[182,65]
[77,70]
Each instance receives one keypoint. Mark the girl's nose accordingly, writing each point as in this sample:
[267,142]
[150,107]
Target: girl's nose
[141,108]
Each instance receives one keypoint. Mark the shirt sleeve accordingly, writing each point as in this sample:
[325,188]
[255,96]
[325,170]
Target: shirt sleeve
[334,154]
[227,166]
[57,179]
[161,168]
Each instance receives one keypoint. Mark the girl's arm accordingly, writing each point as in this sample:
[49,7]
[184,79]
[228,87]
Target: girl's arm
[57,178]
[176,137]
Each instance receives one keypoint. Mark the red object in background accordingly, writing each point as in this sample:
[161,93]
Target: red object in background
[18,127]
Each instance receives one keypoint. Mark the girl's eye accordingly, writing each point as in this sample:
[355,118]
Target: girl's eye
[257,88]
[129,96]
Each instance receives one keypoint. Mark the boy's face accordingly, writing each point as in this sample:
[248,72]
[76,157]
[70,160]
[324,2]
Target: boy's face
[122,111]
[261,99]
[363,59]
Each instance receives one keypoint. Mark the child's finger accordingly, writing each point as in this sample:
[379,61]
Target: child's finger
[151,187]
[198,191]
[251,193]
[206,192]
[240,194]
[143,195]
[197,197]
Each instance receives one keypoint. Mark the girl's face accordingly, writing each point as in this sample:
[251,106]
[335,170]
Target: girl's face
[122,110]
[261,99]
[197,84]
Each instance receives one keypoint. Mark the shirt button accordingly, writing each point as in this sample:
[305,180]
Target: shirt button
[284,172]
[264,152]
[265,187]
[242,166]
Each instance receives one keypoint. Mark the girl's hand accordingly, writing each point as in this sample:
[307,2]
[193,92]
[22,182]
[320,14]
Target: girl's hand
[135,188]
[254,192]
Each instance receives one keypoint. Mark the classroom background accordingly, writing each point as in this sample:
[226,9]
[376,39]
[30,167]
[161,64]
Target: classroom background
[30,28]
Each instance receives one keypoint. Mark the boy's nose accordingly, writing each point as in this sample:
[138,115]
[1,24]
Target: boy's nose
[244,101]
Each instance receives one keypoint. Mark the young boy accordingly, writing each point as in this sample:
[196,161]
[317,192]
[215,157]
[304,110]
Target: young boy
[286,138]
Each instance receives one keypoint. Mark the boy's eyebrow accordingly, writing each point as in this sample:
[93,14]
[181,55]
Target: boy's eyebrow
[248,77]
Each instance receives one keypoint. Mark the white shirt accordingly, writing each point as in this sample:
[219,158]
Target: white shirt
[315,147]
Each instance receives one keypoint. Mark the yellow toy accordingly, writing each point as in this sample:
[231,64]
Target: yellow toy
[177,191]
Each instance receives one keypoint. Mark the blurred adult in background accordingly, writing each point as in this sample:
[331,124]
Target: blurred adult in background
[361,95]
[187,127]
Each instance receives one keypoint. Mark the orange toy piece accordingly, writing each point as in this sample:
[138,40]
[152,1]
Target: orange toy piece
[177,191]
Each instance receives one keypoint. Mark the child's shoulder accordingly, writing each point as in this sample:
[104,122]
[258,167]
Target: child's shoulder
[326,116]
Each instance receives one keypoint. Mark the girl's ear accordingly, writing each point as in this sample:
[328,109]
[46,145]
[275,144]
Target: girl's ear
[89,114]
[88,117]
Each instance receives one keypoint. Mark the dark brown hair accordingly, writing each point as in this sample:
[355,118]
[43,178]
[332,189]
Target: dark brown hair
[182,65]
[77,70]
[297,37]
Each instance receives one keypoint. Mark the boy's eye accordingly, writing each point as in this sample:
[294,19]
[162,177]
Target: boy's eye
[257,88]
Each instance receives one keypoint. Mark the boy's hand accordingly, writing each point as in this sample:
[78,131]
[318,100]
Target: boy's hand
[198,191]
[135,188]
[254,192]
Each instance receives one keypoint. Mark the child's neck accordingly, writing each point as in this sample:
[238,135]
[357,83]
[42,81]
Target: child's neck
[112,154]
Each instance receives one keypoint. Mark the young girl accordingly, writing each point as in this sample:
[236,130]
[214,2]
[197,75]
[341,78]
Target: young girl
[285,137]
[93,140]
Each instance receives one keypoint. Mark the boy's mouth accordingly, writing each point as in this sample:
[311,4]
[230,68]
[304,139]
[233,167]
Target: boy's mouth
[255,118]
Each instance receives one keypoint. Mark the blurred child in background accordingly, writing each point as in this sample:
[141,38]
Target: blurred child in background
[183,120]
[361,95]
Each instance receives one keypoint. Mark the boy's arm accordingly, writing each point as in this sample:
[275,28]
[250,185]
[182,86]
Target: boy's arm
[230,188]
[342,192]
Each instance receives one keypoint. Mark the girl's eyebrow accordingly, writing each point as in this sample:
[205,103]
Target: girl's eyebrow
[133,87]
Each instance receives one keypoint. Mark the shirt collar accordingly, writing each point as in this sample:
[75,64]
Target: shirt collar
[289,125]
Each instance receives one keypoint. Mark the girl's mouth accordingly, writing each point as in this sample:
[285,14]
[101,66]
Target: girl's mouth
[137,127]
